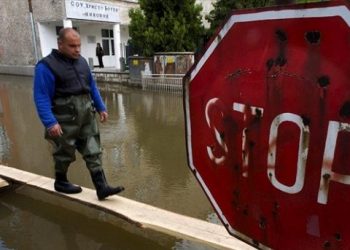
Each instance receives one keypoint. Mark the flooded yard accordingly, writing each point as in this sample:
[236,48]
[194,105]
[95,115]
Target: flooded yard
[143,149]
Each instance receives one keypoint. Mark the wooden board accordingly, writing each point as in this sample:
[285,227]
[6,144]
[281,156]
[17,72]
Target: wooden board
[137,213]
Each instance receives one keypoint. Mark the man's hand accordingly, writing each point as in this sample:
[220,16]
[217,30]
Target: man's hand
[55,131]
[103,116]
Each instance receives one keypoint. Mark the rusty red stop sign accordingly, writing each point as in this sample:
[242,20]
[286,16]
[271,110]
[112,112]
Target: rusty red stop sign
[268,125]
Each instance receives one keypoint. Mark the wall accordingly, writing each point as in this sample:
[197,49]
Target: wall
[124,37]
[16,36]
[207,7]
[47,38]
[48,10]
[137,66]
[125,6]
[89,49]
[16,44]
[52,13]
[44,13]
[172,63]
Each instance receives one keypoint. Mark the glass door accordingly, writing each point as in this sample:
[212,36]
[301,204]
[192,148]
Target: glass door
[108,48]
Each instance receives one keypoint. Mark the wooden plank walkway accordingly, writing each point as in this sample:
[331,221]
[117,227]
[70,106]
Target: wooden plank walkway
[143,215]
[3,183]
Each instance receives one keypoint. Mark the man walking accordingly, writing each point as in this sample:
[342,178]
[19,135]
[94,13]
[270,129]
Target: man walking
[66,99]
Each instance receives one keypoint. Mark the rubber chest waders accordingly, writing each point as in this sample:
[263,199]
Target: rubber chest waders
[77,117]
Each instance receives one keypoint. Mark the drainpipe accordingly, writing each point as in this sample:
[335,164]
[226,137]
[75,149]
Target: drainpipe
[33,30]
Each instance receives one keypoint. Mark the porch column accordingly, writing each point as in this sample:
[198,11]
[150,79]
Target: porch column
[67,23]
[116,32]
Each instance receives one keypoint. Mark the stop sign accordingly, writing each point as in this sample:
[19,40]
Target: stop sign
[268,121]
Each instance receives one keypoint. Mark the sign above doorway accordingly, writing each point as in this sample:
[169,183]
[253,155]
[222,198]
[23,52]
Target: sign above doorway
[78,9]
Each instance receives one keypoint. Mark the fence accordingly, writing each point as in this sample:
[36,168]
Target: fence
[111,76]
[162,82]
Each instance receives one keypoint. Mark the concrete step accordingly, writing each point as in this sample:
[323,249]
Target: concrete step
[137,213]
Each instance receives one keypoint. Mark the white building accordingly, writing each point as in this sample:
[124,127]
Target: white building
[207,7]
[97,22]
[29,29]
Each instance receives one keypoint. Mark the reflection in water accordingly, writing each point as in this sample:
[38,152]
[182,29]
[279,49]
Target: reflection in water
[144,144]
[143,149]
[4,145]
[44,227]
[4,140]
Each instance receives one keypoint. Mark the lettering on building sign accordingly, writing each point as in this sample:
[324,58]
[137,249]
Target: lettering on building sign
[80,9]
[97,15]
[327,171]
[76,4]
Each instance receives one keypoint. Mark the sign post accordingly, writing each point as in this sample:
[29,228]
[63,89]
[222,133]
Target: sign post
[268,125]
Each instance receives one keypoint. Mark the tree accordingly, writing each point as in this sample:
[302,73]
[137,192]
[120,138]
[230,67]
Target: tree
[165,26]
[222,9]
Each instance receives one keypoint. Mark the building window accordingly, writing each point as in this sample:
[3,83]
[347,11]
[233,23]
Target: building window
[108,42]
[105,33]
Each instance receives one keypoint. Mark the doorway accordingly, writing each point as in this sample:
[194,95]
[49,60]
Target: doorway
[108,47]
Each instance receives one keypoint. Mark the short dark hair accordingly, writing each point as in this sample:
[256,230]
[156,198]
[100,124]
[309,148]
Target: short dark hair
[63,32]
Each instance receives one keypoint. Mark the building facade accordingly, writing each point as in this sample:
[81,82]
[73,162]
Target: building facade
[207,7]
[30,27]
[29,30]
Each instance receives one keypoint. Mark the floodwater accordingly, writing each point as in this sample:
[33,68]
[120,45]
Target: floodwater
[143,149]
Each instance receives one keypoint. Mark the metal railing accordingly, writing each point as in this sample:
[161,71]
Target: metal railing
[110,76]
[162,82]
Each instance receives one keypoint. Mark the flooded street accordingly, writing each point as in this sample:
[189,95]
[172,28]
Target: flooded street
[143,149]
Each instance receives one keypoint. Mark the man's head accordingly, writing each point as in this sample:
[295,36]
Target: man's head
[69,43]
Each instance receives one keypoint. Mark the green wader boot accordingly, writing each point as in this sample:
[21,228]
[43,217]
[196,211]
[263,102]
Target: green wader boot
[103,190]
[64,186]
[76,115]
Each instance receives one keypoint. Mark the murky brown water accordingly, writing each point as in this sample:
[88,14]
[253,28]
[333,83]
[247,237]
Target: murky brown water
[144,150]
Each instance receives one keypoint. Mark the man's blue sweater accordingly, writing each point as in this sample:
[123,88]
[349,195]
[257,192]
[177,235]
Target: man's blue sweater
[44,91]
